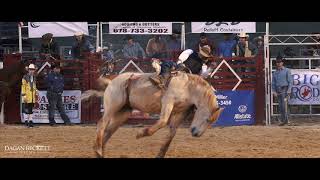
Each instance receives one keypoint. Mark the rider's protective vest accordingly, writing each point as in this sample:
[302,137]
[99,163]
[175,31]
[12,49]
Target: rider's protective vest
[191,60]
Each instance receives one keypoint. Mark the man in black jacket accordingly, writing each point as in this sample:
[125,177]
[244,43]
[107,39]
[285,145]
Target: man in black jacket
[55,85]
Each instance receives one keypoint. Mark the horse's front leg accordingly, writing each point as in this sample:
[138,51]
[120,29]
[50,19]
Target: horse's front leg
[175,121]
[162,122]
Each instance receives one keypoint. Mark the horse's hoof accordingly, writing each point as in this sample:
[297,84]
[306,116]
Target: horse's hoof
[142,133]
[98,152]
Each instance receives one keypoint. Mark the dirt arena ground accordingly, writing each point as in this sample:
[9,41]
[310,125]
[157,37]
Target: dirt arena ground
[220,142]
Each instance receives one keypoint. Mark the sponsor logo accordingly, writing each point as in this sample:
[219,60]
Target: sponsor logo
[34,25]
[242,108]
[242,116]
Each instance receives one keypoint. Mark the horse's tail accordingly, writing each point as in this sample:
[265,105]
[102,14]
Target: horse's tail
[89,93]
[103,83]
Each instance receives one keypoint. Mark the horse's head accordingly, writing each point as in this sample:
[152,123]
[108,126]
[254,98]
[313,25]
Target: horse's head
[203,118]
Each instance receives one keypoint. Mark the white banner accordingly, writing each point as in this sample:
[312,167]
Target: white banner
[223,27]
[58,29]
[72,105]
[140,27]
[306,87]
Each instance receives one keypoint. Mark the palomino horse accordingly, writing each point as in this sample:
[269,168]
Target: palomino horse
[9,78]
[135,91]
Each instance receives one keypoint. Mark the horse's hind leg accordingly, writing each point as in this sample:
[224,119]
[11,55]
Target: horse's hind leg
[115,122]
[101,127]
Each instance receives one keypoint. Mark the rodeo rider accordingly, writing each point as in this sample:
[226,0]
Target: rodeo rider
[190,61]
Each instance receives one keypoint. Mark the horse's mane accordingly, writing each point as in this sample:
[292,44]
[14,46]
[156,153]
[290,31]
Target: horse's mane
[196,81]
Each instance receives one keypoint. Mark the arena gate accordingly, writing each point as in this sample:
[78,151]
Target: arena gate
[81,75]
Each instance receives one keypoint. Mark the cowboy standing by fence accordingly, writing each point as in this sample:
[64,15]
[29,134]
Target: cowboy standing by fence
[281,87]
[28,93]
[49,48]
[55,85]
[81,46]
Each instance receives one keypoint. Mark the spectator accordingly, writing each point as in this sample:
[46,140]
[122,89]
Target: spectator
[29,94]
[205,41]
[258,42]
[81,46]
[226,47]
[156,47]
[244,48]
[313,50]
[133,50]
[55,85]
[174,45]
[281,87]
[108,53]
[49,48]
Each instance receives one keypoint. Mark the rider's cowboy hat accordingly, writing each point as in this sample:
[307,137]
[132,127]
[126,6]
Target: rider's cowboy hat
[205,51]
[32,66]
[243,35]
[79,33]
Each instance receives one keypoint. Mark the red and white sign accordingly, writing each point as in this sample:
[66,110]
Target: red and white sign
[72,104]
[140,27]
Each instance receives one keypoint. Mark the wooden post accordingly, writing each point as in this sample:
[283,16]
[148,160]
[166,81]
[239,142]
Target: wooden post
[2,114]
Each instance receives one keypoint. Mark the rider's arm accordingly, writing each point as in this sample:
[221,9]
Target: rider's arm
[184,56]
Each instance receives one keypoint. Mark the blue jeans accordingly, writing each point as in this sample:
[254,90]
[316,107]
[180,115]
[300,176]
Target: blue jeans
[55,101]
[282,93]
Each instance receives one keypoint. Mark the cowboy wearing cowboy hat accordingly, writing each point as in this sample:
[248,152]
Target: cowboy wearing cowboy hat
[29,92]
[281,87]
[82,45]
[49,48]
[244,48]
[190,61]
